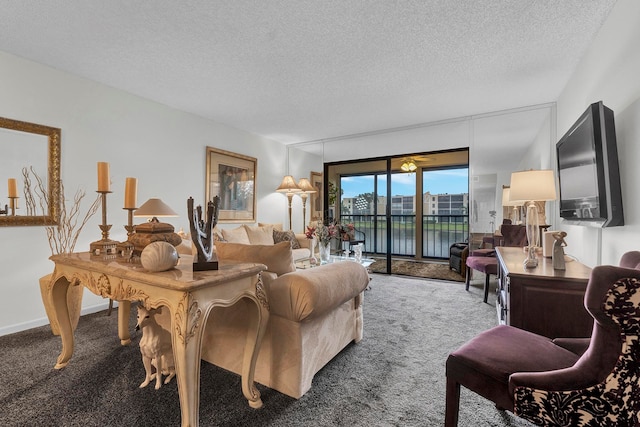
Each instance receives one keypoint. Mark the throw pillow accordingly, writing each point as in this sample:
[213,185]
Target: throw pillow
[286,236]
[236,235]
[275,225]
[278,258]
[260,235]
[217,235]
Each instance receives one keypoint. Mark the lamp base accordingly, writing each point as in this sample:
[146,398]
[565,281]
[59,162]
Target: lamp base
[532,260]
[153,232]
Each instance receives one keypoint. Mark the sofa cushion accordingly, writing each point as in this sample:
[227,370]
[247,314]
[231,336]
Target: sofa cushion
[274,225]
[286,236]
[236,235]
[310,293]
[260,235]
[278,258]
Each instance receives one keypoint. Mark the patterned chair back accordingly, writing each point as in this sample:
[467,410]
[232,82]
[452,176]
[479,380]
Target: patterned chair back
[613,299]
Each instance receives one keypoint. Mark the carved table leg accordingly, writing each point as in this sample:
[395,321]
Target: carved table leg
[61,312]
[186,337]
[124,309]
[258,325]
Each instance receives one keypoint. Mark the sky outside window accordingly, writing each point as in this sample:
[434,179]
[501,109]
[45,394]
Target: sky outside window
[451,181]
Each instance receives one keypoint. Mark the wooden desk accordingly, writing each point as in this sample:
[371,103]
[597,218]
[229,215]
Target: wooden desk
[542,300]
[189,296]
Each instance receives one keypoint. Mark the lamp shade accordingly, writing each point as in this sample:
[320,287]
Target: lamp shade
[532,185]
[305,186]
[408,166]
[506,198]
[154,208]
[288,185]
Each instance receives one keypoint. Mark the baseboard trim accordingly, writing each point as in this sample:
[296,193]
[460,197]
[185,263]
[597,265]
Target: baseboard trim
[19,327]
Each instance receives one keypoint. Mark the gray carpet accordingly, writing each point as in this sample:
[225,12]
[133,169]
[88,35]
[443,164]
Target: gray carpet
[394,377]
[424,269]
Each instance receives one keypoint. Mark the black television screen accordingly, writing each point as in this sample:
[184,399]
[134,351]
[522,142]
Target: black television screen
[588,172]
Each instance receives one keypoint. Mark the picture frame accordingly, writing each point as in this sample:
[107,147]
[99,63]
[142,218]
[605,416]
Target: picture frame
[317,198]
[232,177]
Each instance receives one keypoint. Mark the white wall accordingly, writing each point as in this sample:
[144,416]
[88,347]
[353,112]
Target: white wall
[609,72]
[162,147]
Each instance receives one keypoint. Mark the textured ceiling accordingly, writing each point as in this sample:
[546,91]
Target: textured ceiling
[304,70]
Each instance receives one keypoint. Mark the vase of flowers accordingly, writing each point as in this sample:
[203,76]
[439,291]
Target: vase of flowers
[324,234]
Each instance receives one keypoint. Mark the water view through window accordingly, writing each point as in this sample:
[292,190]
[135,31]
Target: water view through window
[440,214]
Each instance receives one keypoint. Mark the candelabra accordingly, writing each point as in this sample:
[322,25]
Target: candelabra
[13,205]
[126,248]
[105,246]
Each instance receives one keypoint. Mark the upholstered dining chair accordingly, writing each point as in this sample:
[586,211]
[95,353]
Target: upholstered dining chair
[555,382]
[484,260]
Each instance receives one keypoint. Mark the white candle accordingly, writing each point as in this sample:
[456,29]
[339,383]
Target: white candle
[130,193]
[13,187]
[104,183]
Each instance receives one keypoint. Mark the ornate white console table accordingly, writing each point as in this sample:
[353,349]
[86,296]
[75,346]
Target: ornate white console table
[189,296]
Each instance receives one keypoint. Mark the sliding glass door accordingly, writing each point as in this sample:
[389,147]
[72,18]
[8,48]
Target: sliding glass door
[445,210]
[412,214]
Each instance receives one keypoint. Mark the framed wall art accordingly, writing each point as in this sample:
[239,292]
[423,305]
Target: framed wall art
[318,197]
[232,177]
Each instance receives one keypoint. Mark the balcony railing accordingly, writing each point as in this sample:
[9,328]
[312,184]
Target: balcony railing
[439,232]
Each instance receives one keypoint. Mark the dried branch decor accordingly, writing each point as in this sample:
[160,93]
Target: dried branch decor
[63,236]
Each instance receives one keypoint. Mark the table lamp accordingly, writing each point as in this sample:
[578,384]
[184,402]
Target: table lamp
[154,230]
[514,215]
[531,186]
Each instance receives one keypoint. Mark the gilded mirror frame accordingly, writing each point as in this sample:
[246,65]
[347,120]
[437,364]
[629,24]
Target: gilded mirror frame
[53,174]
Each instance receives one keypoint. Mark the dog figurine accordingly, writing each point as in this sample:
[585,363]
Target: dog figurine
[156,349]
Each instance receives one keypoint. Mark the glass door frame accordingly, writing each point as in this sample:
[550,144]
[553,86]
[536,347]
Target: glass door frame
[388,173]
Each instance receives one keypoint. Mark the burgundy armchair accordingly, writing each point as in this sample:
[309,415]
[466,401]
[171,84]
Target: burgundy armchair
[558,382]
[484,261]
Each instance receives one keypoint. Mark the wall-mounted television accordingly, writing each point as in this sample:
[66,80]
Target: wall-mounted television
[588,172]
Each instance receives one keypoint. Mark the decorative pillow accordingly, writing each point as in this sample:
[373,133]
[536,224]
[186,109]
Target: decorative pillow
[236,235]
[286,236]
[275,225]
[260,235]
[278,258]
[217,235]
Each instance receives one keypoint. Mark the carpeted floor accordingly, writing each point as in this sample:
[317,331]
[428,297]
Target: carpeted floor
[394,377]
[424,269]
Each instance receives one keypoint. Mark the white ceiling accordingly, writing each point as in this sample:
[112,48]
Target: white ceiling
[305,70]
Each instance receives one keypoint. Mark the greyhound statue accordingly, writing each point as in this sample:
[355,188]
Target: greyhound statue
[156,349]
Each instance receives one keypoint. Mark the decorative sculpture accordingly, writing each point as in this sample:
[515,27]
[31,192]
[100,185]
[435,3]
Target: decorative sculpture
[159,256]
[557,255]
[202,233]
[156,349]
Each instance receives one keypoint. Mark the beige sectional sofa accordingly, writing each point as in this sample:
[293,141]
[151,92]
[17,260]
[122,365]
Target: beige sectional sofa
[267,234]
[314,314]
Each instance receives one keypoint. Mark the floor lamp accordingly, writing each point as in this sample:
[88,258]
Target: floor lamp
[306,189]
[532,186]
[289,187]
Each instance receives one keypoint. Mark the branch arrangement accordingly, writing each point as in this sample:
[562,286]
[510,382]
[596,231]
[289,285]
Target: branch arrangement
[63,236]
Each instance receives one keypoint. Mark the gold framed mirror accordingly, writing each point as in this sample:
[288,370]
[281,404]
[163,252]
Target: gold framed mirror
[34,148]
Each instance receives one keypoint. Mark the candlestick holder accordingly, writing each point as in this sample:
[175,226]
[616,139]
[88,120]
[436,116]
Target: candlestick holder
[13,205]
[125,248]
[105,246]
